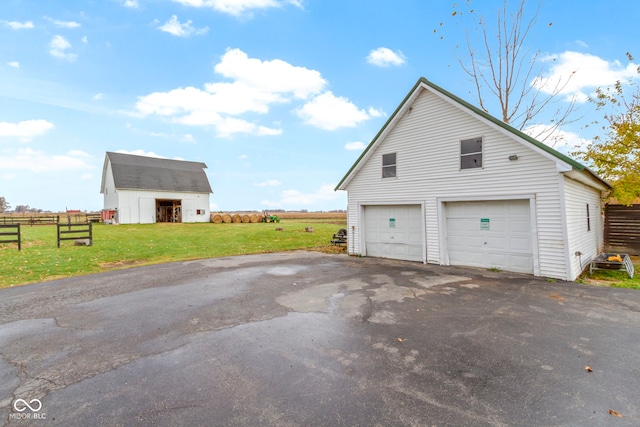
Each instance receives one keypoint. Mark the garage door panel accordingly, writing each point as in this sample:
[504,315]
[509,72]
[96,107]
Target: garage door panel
[520,244]
[520,226]
[394,231]
[496,259]
[523,264]
[471,258]
[496,243]
[490,234]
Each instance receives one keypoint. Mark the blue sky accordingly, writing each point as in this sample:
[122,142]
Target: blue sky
[277,97]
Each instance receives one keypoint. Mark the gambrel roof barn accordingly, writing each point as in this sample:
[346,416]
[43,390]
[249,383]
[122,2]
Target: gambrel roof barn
[147,189]
[444,182]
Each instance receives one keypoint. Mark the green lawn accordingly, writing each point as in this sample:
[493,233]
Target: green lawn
[615,278]
[120,246]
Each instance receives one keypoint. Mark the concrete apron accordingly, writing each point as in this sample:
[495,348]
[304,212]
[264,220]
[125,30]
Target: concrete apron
[311,339]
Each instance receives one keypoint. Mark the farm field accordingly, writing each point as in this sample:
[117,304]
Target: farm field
[121,246]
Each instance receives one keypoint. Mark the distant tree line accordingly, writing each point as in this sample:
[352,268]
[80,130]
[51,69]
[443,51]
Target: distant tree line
[5,207]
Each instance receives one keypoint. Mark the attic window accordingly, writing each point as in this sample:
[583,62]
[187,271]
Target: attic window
[471,153]
[389,165]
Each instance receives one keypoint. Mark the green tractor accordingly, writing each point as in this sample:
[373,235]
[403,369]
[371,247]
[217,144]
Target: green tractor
[270,218]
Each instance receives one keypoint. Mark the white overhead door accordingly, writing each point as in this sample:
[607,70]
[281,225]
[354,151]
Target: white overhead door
[394,231]
[492,233]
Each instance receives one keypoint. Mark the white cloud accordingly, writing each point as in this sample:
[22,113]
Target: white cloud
[15,25]
[581,73]
[39,161]
[59,46]
[275,76]
[237,7]
[331,112]
[268,183]
[255,87]
[131,4]
[296,199]
[84,39]
[558,139]
[174,27]
[14,64]
[63,24]
[98,96]
[355,145]
[385,57]
[25,130]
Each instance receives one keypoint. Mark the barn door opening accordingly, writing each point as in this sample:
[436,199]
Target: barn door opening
[168,210]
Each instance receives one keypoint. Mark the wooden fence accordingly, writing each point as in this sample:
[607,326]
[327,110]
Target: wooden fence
[75,232]
[10,236]
[30,220]
[622,229]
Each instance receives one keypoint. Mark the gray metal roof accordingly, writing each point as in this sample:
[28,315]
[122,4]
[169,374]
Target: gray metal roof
[150,173]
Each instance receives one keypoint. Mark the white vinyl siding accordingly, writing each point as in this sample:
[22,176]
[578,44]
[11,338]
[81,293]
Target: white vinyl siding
[427,138]
[588,242]
[138,206]
[110,192]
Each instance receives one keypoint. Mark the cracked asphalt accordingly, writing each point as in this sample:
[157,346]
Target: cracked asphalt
[311,339]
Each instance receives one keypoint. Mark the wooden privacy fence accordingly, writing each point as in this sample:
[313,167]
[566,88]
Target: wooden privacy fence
[10,236]
[622,229]
[75,232]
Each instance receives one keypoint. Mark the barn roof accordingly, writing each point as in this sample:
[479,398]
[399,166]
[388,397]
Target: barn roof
[150,173]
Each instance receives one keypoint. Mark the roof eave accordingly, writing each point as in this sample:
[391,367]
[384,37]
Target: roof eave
[499,123]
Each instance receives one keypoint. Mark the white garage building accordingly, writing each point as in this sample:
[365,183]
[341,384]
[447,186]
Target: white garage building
[443,182]
[144,190]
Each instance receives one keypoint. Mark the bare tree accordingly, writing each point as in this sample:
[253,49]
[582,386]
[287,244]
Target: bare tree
[503,69]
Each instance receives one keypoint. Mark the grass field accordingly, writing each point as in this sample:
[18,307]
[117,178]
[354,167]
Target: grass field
[615,278]
[120,246]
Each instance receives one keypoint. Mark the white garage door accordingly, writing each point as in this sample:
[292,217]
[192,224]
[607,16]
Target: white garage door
[394,231]
[494,233]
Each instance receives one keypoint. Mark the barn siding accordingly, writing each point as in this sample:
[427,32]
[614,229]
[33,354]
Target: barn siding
[586,240]
[134,205]
[110,196]
[426,140]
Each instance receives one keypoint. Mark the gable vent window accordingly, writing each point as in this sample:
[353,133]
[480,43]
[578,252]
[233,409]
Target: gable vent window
[389,165]
[471,153]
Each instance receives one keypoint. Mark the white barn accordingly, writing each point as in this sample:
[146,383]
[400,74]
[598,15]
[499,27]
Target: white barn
[143,190]
[443,182]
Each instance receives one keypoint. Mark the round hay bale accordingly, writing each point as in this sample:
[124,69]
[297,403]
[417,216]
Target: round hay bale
[254,218]
[226,218]
[245,218]
[216,218]
[236,218]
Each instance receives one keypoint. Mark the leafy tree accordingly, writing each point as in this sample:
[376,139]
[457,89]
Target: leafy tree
[508,77]
[4,205]
[616,155]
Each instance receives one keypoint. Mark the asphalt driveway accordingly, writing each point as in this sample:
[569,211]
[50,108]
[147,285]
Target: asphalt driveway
[309,339]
